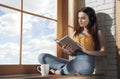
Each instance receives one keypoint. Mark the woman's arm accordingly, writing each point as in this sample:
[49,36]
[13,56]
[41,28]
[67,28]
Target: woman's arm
[102,51]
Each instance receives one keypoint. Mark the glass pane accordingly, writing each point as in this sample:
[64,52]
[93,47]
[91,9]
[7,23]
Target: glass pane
[42,7]
[38,37]
[12,3]
[9,36]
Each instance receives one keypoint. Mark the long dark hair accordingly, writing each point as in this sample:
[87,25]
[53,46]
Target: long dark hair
[92,26]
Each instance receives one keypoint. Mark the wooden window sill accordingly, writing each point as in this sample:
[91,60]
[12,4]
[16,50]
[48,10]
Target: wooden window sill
[38,76]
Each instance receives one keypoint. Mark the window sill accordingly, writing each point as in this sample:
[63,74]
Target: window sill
[38,76]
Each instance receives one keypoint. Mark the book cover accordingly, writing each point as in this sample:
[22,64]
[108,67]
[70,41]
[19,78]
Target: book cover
[67,40]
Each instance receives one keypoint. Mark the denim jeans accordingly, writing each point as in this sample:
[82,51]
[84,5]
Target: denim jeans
[80,63]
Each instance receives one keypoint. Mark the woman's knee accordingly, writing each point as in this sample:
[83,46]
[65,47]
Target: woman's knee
[78,66]
[41,58]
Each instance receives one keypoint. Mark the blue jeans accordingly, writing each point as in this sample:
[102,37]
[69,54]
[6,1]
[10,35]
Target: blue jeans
[80,63]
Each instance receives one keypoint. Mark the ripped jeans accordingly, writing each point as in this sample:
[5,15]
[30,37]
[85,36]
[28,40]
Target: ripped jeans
[80,63]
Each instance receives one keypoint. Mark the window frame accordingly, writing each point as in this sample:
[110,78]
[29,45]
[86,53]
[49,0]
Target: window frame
[62,29]
[117,22]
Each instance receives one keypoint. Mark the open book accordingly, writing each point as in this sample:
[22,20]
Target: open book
[67,40]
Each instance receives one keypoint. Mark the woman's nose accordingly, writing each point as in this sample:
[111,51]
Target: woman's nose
[80,20]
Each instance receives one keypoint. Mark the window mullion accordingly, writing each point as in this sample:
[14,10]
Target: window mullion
[21,27]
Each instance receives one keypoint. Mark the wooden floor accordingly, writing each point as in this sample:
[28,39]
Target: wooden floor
[38,76]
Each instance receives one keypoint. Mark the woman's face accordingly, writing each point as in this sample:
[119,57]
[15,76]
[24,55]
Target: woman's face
[83,19]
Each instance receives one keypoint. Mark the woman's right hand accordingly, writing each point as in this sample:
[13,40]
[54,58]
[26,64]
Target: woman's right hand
[67,48]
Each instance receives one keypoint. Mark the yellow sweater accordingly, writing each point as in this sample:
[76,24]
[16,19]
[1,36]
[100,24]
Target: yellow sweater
[86,41]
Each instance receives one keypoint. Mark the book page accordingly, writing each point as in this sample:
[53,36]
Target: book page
[67,40]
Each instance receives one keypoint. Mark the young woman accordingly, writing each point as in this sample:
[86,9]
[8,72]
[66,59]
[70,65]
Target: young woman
[88,38]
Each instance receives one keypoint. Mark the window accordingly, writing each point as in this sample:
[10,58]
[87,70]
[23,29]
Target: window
[27,28]
[27,17]
[9,36]
[38,37]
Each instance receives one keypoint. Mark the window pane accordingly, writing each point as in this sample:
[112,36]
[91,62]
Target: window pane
[42,7]
[12,3]
[38,37]
[9,36]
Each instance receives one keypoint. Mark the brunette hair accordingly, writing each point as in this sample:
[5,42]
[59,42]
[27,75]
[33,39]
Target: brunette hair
[92,26]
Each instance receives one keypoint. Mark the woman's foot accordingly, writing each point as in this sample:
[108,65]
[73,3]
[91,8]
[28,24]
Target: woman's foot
[55,72]
[77,74]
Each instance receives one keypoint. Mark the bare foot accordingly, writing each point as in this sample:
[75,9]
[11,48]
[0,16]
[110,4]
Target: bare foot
[77,74]
[55,72]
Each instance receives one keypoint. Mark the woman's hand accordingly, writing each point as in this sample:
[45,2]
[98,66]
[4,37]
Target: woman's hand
[82,48]
[67,48]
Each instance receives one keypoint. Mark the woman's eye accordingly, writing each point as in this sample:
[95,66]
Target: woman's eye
[83,18]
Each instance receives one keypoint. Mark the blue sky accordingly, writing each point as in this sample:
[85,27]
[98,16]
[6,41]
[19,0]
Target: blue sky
[38,33]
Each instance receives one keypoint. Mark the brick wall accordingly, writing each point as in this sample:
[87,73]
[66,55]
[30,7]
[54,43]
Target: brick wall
[105,15]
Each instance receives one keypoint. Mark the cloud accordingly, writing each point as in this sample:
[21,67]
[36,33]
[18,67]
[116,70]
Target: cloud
[9,53]
[46,8]
[31,50]
[33,46]
[52,25]
[13,3]
[12,48]
[10,24]
[40,44]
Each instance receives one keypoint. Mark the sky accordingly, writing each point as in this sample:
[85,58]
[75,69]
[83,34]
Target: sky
[38,33]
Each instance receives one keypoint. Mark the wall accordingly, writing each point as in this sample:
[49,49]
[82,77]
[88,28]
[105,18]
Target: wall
[105,15]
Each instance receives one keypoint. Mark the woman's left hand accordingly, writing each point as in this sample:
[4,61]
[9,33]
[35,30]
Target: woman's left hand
[82,47]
